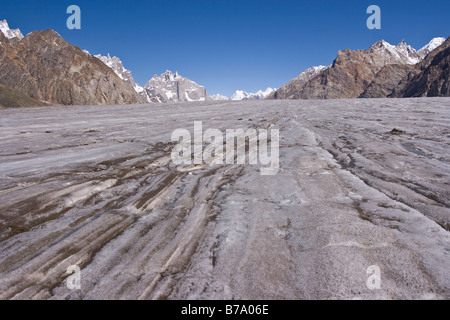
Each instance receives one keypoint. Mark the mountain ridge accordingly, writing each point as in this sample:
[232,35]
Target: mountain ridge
[353,71]
[172,87]
[46,67]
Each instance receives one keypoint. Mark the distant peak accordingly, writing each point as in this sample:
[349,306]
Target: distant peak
[381,44]
[244,95]
[430,46]
[9,33]
[403,45]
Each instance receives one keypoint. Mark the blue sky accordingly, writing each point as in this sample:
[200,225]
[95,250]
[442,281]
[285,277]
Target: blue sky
[227,45]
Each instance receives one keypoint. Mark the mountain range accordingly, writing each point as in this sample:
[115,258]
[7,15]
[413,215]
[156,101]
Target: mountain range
[171,87]
[241,95]
[428,78]
[374,73]
[168,87]
[47,69]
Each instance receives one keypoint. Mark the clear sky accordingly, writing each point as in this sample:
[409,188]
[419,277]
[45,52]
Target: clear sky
[227,45]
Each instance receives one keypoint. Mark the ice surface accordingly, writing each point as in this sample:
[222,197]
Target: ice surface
[361,183]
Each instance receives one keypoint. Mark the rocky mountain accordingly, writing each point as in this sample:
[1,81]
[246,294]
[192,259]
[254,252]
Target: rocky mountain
[9,33]
[386,80]
[260,95]
[289,90]
[171,87]
[168,87]
[117,66]
[427,78]
[430,78]
[353,72]
[45,67]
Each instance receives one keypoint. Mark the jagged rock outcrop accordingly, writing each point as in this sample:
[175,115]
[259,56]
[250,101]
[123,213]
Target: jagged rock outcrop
[427,78]
[292,89]
[117,66]
[10,33]
[430,78]
[386,80]
[171,87]
[47,68]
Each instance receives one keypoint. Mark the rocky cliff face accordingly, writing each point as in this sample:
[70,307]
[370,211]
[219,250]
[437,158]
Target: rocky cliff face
[430,78]
[47,68]
[386,80]
[117,66]
[362,73]
[168,87]
[292,89]
[171,87]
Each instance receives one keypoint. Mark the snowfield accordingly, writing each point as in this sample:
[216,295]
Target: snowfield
[361,183]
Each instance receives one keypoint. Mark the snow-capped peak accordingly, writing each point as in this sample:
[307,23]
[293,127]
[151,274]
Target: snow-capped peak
[401,53]
[172,87]
[219,97]
[311,72]
[10,33]
[239,95]
[117,66]
[402,45]
[433,44]
[260,95]
[169,76]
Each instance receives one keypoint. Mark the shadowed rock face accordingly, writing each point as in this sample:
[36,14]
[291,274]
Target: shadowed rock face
[290,90]
[387,80]
[430,77]
[46,67]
